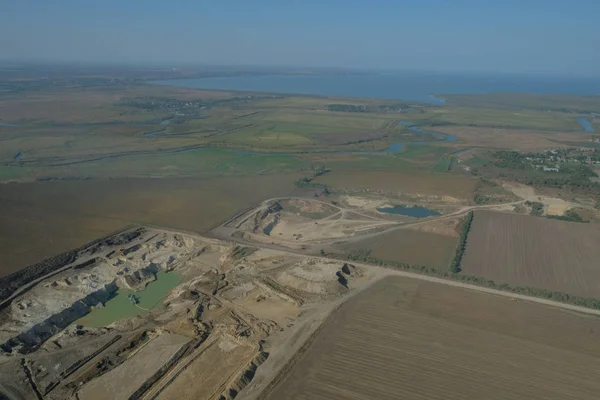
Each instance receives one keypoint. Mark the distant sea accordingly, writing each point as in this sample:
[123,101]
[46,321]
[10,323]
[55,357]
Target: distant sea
[418,87]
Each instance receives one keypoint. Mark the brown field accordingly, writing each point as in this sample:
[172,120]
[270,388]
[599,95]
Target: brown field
[404,182]
[533,251]
[40,220]
[406,339]
[411,247]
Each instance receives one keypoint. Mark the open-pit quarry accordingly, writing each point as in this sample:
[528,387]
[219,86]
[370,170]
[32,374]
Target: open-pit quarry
[153,314]
[150,313]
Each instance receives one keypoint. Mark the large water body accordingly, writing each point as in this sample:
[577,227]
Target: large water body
[417,87]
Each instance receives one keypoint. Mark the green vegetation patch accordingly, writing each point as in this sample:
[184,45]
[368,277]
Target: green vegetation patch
[462,243]
[569,215]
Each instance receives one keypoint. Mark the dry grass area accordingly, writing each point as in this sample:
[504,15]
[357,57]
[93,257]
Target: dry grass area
[406,339]
[411,247]
[534,251]
[517,139]
[40,220]
[426,184]
[447,227]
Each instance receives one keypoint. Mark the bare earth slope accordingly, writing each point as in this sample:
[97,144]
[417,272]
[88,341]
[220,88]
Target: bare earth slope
[409,339]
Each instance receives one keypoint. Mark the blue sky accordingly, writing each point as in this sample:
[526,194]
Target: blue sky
[550,36]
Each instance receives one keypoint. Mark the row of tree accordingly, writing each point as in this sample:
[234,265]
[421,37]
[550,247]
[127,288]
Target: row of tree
[462,243]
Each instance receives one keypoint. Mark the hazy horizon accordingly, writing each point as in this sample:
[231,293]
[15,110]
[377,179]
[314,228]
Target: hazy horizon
[509,37]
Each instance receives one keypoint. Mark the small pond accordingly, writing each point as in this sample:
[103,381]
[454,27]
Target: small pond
[120,306]
[585,124]
[410,211]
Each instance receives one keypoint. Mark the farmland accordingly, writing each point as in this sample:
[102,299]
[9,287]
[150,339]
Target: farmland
[42,219]
[537,252]
[414,248]
[408,339]
[425,184]
[80,161]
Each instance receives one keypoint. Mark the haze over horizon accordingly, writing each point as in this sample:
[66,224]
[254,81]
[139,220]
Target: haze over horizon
[550,37]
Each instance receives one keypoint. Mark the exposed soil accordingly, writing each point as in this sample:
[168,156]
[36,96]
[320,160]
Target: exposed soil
[406,339]
[534,251]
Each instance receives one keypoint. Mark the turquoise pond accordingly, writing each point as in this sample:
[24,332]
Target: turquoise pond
[120,306]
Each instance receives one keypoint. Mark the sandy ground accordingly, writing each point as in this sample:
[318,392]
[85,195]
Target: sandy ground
[553,205]
[121,382]
[210,369]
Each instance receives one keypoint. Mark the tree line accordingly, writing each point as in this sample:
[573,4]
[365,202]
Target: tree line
[462,243]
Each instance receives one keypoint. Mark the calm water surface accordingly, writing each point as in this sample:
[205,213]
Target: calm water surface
[121,307]
[418,87]
[585,124]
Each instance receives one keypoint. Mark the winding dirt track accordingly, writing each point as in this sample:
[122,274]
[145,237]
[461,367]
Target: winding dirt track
[225,229]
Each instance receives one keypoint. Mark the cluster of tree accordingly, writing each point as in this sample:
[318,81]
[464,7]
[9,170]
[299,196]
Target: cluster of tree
[365,256]
[574,183]
[561,155]
[569,215]
[510,159]
[574,176]
[462,243]
[481,199]
[307,181]
[537,208]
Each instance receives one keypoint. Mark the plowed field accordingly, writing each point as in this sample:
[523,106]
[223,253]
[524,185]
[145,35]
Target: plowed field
[407,339]
[532,251]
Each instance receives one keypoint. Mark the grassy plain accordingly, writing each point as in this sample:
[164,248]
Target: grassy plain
[534,251]
[61,125]
[100,133]
[404,338]
[42,219]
